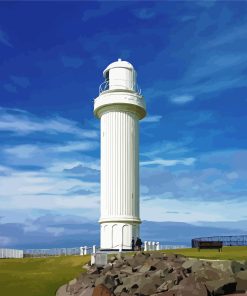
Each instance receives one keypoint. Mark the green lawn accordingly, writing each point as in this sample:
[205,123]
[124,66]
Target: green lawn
[228,253]
[38,276]
[42,276]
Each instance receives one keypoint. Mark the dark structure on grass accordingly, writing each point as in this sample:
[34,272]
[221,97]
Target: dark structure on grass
[232,240]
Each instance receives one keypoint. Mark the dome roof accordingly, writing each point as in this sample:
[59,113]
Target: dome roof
[118,64]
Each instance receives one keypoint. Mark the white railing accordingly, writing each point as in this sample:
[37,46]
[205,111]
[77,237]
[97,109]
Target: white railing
[11,253]
[122,85]
[169,247]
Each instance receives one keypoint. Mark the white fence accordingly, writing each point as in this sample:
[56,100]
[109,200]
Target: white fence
[59,251]
[169,247]
[11,253]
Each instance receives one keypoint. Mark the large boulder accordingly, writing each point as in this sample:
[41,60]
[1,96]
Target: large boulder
[62,291]
[188,287]
[238,266]
[222,286]
[223,265]
[241,278]
[101,290]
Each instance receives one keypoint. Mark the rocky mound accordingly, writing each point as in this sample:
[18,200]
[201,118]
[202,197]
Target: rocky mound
[159,274]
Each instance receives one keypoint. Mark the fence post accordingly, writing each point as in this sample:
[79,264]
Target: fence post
[85,250]
[94,249]
[149,246]
[145,246]
[81,251]
[158,246]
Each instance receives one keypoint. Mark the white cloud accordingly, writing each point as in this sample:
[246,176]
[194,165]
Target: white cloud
[19,184]
[51,202]
[28,151]
[56,231]
[70,164]
[232,176]
[199,210]
[76,146]
[152,118]
[169,162]
[235,34]
[23,151]
[5,241]
[24,123]
[182,99]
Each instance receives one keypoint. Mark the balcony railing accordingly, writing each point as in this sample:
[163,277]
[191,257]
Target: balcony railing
[105,86]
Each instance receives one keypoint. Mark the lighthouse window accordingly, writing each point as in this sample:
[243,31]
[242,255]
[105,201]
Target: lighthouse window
[107,76]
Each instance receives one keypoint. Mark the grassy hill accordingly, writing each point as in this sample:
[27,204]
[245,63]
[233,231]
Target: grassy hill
[42,276]
[38,276]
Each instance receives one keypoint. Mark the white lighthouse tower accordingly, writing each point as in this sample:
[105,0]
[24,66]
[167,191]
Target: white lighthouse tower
[119,107]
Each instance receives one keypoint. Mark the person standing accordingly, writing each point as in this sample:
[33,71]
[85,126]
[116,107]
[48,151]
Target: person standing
[138,244]
[133,244]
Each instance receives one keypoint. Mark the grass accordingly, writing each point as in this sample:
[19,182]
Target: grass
[43,276]
[38,276]
[228,253]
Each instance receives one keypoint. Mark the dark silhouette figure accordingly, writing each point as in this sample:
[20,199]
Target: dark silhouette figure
[138,244]
[133,244]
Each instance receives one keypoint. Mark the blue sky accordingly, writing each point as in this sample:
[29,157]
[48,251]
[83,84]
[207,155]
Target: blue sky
[191,60]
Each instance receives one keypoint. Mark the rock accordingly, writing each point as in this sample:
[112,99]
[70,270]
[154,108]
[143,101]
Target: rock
[165,286]
[188,263]
[72,282]
[187,287]
[237,266]
[157,255]
[106,269]
[208,273]
[107,280]
[62,291]
[101,290]
[224,266]
[144,268]
[241,278]
[86,292]
[113,258]
[159,274]
[221,286]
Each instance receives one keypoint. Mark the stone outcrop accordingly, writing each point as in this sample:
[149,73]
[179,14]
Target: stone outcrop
[159,274]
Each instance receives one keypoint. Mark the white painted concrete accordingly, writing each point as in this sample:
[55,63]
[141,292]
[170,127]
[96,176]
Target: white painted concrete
[119,107]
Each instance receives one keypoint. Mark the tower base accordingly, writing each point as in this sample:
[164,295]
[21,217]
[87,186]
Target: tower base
[118,235]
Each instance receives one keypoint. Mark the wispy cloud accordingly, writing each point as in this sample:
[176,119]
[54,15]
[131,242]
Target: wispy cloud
[144,13]
[73,62]
[169,162]
[219,174]
[237,32]
[4,39]
[180,100]
[152,118]
[29,150]
[25,123]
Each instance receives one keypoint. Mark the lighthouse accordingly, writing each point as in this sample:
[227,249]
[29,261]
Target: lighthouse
[119,107]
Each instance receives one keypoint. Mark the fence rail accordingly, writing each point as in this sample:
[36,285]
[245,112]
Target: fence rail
[230,240]
[11,253]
